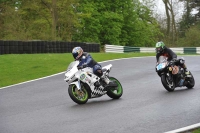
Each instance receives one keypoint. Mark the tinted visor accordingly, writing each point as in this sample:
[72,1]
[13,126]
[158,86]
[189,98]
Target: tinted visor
[158,50]
[75,55]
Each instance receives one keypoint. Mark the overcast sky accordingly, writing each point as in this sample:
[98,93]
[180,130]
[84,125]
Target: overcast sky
[160,8]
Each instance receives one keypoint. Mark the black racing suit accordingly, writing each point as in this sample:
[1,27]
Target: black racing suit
[168,53]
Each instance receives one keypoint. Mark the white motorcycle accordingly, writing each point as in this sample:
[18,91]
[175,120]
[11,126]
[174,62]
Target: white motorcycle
[84,84]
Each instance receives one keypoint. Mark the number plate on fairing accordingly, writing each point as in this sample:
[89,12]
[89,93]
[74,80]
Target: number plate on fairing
[160,66]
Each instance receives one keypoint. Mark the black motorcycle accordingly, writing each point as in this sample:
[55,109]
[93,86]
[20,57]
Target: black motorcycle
[172,75]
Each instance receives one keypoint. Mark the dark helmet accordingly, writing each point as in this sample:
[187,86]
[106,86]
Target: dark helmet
[77,52]
[160,46]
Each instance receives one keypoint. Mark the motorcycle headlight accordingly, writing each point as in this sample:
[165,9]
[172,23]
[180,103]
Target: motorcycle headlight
[170,68]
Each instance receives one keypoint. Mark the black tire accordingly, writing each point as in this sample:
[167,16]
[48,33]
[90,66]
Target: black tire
[72,90]
[190,82]
[166,83]
[115,93]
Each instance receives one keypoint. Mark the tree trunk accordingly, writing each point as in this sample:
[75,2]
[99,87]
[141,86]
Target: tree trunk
[173,27]
[168,16]
[54,19]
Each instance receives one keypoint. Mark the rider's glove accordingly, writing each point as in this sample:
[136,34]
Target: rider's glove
[174,59]
[80,67]
[83,66]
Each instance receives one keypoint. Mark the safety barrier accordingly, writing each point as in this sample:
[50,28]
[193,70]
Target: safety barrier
[124,49]
[31,47]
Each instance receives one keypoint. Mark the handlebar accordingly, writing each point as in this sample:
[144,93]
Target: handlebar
[81,67]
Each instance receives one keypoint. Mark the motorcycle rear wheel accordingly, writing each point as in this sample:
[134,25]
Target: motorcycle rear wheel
[169,85]
[190,82]
[78,96]
[116,92]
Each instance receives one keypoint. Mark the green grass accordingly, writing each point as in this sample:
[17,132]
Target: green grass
[196,131]
[16,68]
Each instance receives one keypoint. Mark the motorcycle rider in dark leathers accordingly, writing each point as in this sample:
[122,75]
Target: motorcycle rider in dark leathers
[162,50]
[86,60]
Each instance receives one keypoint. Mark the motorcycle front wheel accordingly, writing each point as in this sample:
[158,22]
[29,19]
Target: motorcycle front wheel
[78,96]
[115,92]
[169,85]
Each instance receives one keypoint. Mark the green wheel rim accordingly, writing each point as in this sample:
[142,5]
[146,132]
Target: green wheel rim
[84,98]
[117,91]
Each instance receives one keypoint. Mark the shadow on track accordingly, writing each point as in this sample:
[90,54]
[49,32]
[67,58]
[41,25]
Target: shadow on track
[180,90]
[94,103]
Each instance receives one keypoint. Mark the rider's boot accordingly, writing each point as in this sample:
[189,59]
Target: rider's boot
[185,83]
[106,80]
[108,84]
[185,69]
[187,72]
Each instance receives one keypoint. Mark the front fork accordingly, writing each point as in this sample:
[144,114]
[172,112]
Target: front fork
[168,74]
[78,91]
[170,77]
[77,83]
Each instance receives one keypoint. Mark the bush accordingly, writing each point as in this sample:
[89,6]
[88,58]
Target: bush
[191,39]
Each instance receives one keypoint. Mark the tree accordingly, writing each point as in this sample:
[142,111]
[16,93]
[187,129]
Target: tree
[188,18]
[40,19]
[89,23]
[191,38]
[171,31]
[9,19]
[127,22]
[117,22]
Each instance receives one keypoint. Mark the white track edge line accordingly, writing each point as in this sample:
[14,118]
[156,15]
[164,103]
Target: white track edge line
[184,129]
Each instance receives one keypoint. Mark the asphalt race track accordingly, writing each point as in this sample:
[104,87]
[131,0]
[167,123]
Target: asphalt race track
[44,106]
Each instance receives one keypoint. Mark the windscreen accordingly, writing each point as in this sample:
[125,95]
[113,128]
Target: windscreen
[71,65]
[162,59]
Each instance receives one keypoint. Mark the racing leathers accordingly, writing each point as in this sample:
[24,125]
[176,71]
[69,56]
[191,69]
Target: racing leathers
[86,60]
[168,53]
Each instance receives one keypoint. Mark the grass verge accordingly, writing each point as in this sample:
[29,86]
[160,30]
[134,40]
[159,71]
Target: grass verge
[196,131]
